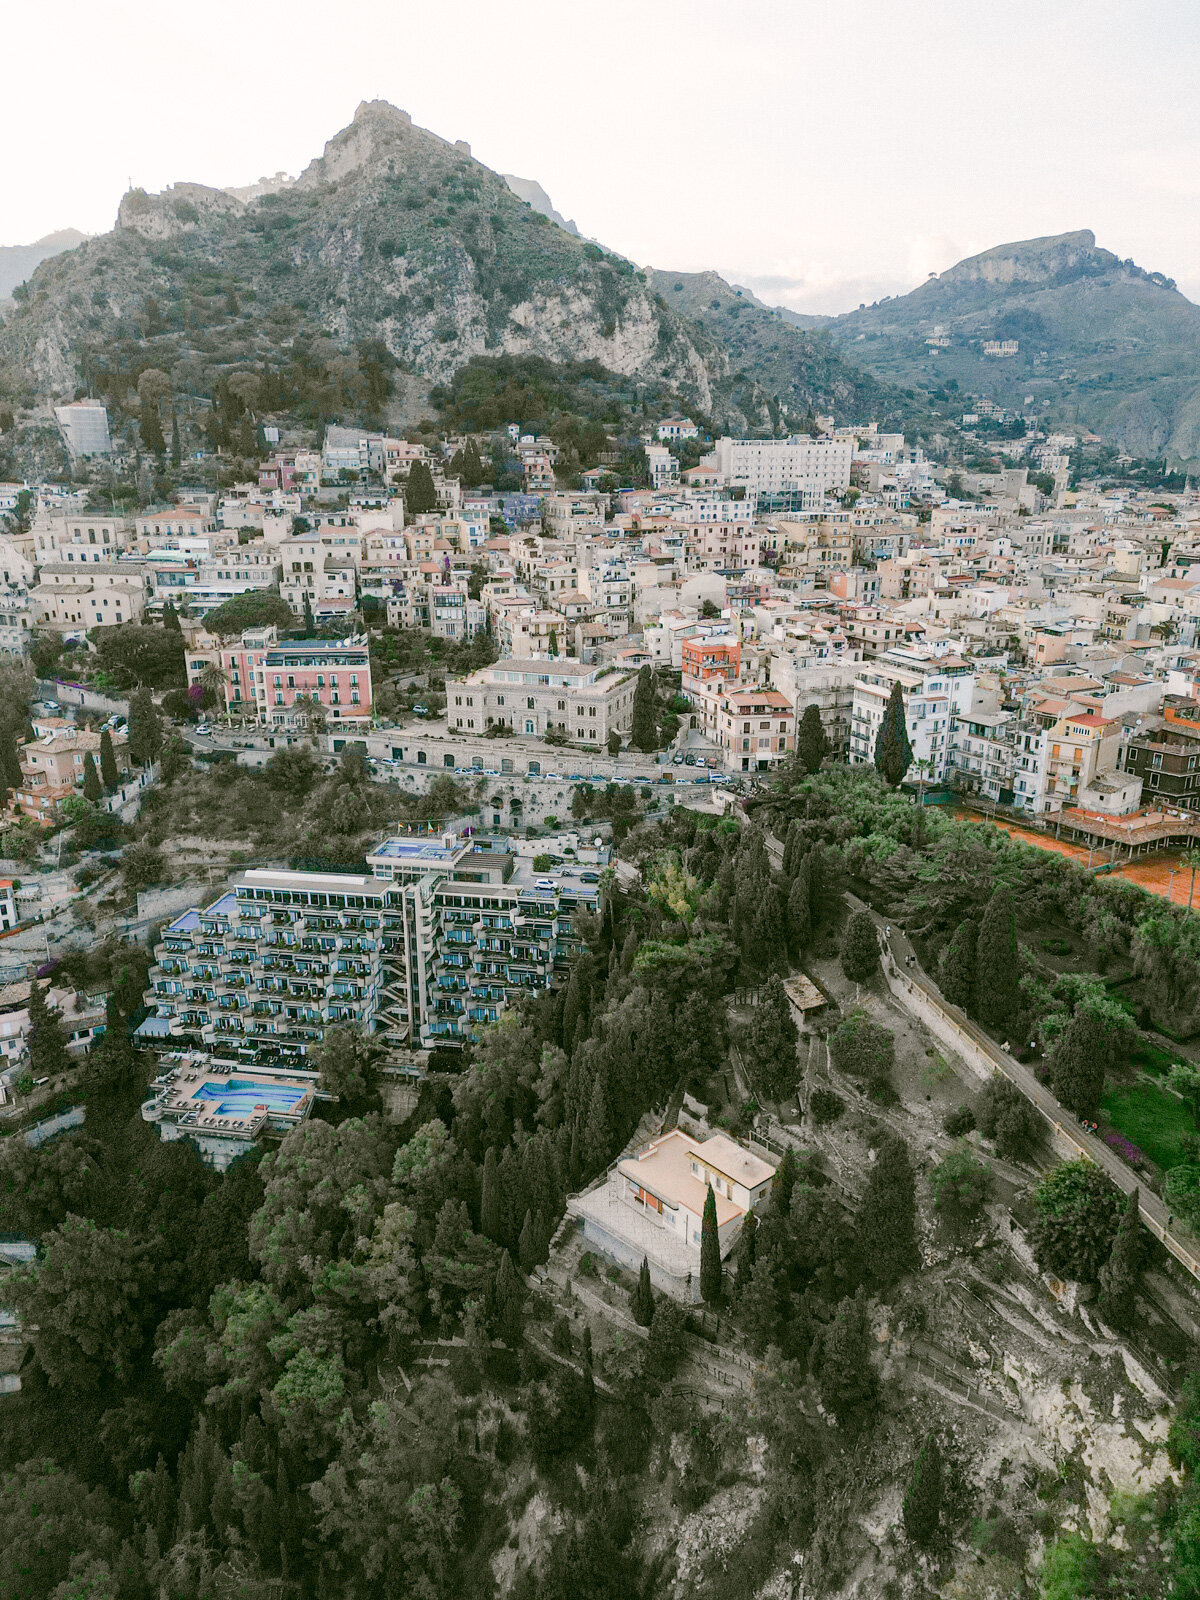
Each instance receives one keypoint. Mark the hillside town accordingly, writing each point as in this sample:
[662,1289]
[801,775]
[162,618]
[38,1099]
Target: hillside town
[655,826]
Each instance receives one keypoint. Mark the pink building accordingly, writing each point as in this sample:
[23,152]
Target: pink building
[266,676]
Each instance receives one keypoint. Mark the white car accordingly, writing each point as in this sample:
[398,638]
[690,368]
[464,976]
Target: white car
[203,730]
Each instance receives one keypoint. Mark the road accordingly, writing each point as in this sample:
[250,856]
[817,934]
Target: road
[1064,1123]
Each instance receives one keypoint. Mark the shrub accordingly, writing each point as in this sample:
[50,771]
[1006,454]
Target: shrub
[959,1121]
[1008,1118]
[825,1106]
[862,1048]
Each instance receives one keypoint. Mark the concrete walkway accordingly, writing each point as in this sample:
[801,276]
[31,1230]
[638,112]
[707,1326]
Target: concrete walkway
[896,948]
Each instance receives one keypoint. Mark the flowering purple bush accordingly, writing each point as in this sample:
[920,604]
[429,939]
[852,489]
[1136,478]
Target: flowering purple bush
[196,693]
[1127,1151]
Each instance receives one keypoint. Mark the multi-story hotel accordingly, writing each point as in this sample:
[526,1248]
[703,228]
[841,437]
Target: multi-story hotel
[265,677]
[428,947]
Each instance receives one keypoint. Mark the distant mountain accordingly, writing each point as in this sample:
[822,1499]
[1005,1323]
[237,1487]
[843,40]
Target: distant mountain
[1111,346]
[392,237]
[17,261]
[529,190]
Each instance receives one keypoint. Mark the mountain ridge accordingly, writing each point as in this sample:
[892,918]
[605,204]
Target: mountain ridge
[392,236]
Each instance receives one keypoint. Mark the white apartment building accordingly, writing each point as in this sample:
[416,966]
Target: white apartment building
[934,692]
[799,466]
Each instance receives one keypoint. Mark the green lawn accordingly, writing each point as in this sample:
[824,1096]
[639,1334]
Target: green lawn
[1150,1119]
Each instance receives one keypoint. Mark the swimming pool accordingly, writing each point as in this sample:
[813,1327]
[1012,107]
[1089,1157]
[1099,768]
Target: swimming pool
[239,1097]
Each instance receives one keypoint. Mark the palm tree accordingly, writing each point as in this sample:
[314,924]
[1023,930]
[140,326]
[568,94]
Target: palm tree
[212,680]
[1191,859]
[311,712]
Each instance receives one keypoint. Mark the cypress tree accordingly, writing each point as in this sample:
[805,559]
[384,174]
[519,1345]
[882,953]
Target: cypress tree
[771,1041]
[644,730]
[793,850]
[710,1251]
[509,1310]
[799,916]
[597,1135]
[746,1253]
[419,493]
[151,423]
[642,1300]
[145,728]
[893,753]
[783,1183]
[887,1217]
[997,964]
[48,1051]
[860,948]
[9,760]
[527,1245]
[812,745]
[922,1509]
[176,448]
[957,974]
[1122,1272]
[109,775]
[170,618]
[842,1359]
[92,792]
[1079,1061]
[310,626]
[758,1307]
[489,1203]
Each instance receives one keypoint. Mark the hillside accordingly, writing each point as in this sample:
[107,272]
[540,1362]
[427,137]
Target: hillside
[1109,345]
[773,363]
[17,261]
[393,246]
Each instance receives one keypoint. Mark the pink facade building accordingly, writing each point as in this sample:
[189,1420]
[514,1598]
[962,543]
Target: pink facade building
[265,677]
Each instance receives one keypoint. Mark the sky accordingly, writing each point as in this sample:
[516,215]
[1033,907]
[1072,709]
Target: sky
[821,154]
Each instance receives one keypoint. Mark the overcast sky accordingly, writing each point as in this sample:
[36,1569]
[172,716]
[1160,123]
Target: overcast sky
[823,154]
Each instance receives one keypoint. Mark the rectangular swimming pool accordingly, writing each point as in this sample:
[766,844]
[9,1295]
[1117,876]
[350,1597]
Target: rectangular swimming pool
[239,1097]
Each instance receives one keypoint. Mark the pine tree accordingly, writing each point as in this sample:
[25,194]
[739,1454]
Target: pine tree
[860,948]
[109,775]
[642,1299]
[893,753]
[419,493]
[957,973]
[887,1217]
[92,791]
[489,1203]
[644,732]
[812,745]
[48,1051]
[1122,1272]
[997,964]
[922,1509]
[710,1251]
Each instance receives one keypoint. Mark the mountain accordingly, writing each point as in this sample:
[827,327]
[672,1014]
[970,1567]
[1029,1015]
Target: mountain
[17,261]
[529,190]
[1109,345]
[772,362]
[394,244]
